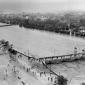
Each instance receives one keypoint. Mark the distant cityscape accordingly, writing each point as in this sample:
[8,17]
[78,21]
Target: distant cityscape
[66,23]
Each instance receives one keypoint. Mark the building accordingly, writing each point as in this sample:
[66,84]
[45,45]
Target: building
[72,19]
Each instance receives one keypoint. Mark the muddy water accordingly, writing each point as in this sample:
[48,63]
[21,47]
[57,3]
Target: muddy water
[41,43]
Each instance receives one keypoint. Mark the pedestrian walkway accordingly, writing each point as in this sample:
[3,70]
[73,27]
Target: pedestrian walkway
[43,77]
[25,77]
[24,63]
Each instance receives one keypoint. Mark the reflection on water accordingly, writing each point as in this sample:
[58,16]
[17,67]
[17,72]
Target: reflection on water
[41,43]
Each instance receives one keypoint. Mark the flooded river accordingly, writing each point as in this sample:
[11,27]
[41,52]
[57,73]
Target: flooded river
[40,43]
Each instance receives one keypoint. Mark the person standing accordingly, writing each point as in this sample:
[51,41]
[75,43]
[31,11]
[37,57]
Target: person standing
[40,74]
[51,79]
[48,78]
[27,69]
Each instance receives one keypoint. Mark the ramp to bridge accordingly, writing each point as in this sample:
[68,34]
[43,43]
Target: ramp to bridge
[49,69]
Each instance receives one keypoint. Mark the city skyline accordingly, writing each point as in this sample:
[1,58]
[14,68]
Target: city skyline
[42,6]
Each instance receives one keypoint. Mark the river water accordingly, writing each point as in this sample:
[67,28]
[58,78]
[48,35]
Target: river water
[40,43]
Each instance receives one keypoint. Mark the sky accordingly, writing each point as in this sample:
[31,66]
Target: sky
[41,6]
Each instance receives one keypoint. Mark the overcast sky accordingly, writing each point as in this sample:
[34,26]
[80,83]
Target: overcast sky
[41,5]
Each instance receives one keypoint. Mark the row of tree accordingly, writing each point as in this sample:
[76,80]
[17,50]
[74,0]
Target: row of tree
[48,25]
[54,25]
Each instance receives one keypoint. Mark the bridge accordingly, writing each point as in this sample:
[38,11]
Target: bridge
[15,52]
[64,58]
[49,69]
[51,59]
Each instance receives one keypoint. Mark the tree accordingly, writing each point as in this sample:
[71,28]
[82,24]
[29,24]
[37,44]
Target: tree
[83,84]
[12,51]
[61,80]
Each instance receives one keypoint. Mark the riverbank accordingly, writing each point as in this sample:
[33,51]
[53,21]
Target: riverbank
[64,32]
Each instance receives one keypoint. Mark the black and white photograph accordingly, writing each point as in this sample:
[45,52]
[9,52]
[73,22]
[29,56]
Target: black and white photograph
[42,42]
